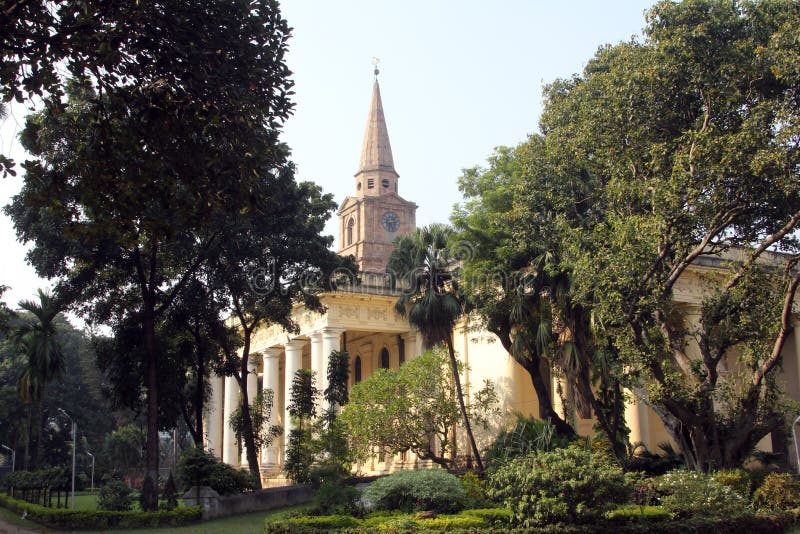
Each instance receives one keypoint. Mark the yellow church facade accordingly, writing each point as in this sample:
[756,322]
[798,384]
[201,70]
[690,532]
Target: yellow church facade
[361,320]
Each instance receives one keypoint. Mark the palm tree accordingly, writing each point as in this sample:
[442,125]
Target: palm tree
[37,340]
[432,302]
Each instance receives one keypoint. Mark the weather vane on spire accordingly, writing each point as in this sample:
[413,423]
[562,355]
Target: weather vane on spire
[375,62]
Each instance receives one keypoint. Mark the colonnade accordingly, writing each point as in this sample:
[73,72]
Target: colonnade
[226,394]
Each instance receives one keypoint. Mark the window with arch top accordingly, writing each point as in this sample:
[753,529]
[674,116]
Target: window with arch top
[384,358]
[350,225]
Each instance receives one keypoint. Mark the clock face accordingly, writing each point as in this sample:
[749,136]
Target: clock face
[390,222]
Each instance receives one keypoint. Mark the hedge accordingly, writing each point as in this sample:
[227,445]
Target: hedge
[465,522]
[62,519]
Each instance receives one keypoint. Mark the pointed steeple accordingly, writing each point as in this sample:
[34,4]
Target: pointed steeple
[376,173]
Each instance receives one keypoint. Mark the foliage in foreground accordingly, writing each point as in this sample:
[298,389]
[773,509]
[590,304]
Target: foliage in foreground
[101,519]
[688,493]
[429,489]
[483,519]
[778,492]
[528,435]
[564,485]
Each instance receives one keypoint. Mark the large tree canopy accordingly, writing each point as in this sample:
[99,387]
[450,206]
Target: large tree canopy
[155,145]
[689,143]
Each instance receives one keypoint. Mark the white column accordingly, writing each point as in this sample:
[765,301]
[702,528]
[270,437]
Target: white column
[637,418]
[317,359]
[331,338]
[230,454]
[213,415]
[252,390]
[294,361]
[272,381]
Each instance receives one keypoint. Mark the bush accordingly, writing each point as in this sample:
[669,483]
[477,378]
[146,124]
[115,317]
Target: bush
[778,492]
[572,484]
[170,494]
[320,523]
[475,488]
[737,479]
[492,516]
[639,513]
[688,493]
[431,489]
[450,522]
[528,435]
[334,497]
[198,468]
[62,519]
[115,496]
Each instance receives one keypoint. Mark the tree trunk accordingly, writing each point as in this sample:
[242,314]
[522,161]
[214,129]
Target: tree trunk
[151,383]
[199,394]
[546,410]
[459,393]
[247,421]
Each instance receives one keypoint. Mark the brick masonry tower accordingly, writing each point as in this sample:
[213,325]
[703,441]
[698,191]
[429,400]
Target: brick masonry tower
[370,221]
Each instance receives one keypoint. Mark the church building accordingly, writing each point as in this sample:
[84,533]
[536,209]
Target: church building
[362,320]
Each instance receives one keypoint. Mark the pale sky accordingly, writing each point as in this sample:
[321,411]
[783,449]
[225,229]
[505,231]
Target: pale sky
[458,78]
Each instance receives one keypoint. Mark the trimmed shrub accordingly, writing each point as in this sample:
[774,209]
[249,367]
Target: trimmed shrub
[62,519]
[573,485]
[115,496]
[430,489]
[779,492]
[450,522]
[319,523]
[639,513]
[688,493]
[492,516]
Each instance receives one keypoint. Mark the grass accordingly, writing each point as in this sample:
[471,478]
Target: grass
[252,523]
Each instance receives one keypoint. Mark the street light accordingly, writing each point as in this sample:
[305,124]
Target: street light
[92,455]
[13,456]
[74,443]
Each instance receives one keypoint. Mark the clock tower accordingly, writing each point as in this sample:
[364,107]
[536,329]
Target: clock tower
[370,221]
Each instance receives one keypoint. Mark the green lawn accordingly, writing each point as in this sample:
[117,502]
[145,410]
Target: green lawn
[245,524]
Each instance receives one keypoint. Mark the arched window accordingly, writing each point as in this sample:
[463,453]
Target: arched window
[350,224]
[357,369]
[384,358]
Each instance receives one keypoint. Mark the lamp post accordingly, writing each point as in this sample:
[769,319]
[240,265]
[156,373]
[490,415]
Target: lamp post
[13,456]
[92,455]
[74,443]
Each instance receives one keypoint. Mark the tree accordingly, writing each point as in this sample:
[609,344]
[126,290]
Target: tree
[688,143]
[171,117]
[520,286]
[431,302]
[413,408]
[267,261]
[38,341]
[260,411]
[303,410]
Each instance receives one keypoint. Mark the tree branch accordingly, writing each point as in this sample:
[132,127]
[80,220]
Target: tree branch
[765,244]
[786,325]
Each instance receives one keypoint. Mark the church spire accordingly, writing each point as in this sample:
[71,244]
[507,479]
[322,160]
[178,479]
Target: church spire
[376,174]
